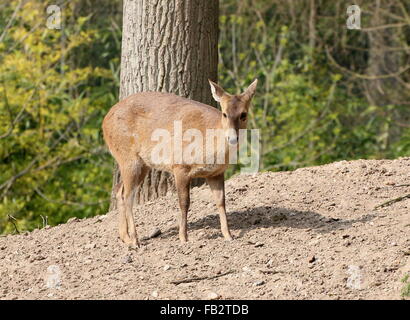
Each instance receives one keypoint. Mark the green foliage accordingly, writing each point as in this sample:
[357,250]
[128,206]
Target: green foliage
[53,163]
[405,292]
[308,111]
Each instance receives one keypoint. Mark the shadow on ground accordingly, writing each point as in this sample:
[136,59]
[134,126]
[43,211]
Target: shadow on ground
[270,217]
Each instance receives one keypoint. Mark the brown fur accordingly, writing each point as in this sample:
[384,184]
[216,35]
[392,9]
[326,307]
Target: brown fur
[128,128]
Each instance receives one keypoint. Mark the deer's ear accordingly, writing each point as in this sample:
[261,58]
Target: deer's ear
[217,91]
[249,93]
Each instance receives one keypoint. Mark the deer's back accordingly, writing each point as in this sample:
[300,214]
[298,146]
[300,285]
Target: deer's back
[129,125]
[160,110]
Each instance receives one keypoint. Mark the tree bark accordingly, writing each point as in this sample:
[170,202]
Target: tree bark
[168,46]
[384,61]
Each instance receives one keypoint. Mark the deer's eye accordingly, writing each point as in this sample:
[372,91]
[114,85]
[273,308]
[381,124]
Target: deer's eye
[243,116]
[224,114]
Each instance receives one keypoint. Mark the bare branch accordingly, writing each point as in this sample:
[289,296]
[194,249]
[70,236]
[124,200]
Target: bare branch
[386,26]
[390,202]
[70,203]
[195,279]
[11,21]
[362,76]
[13,221]
[7,185]
[45,220]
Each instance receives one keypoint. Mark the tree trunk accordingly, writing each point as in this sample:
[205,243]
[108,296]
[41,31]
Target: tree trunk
[169,46]
[384,61]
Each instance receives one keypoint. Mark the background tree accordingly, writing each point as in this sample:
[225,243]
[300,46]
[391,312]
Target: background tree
[53,96]
[169,46]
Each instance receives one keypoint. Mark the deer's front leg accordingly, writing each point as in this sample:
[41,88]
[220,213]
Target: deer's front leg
[182,182]
[217,185]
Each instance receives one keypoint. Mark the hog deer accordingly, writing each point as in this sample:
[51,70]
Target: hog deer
[128,128]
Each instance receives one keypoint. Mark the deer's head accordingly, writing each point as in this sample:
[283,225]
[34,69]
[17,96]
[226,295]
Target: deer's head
[234,109]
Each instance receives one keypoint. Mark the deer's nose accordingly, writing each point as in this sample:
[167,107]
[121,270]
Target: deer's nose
[233,140]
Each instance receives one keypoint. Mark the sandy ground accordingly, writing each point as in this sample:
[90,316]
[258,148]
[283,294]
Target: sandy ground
[313,233]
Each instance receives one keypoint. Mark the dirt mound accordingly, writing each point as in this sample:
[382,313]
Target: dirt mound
[313,233]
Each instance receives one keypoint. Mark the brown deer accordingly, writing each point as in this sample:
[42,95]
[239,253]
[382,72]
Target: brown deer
[128,130]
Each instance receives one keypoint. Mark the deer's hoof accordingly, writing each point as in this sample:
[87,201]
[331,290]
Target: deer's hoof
[228,238]
[133,244]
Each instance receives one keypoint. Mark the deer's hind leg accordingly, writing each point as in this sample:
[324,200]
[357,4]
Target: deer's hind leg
[132,174]
[122,219]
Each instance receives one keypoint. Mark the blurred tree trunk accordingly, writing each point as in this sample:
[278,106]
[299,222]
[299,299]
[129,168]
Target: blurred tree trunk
[382,60]
[384,63]
[169,46]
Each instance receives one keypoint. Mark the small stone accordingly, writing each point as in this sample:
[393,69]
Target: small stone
[212,295]
[155,294]
[259,283]
[201,234]
[127,259]
[312,259]
[259,244]
[345,236]
[246,269]
[73,219]
[39,258]
[155,233]
[101,218]
[167,267]
[90,246]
